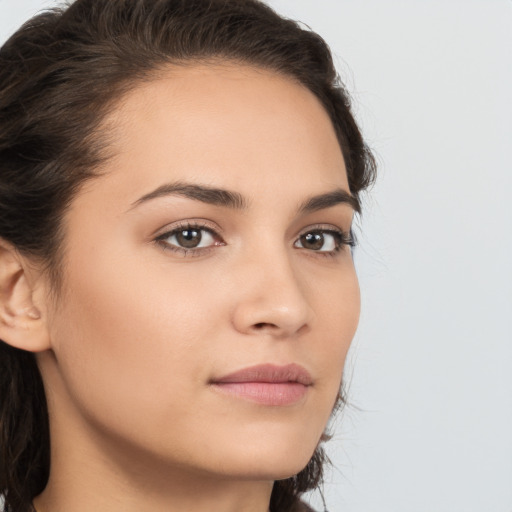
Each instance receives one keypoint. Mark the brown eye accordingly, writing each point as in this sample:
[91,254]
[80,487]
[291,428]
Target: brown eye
[188,238]
[326,241]
[312,241]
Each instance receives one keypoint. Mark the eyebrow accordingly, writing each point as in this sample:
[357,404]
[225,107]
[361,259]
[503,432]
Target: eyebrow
[203,193]
[235,201]
[329,199]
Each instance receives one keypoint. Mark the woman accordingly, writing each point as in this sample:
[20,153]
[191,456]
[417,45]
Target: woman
[178,183]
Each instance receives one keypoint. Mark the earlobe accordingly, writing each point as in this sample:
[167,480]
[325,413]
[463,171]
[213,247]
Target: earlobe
[22,323]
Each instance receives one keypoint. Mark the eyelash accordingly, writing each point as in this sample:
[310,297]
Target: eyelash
[341,239]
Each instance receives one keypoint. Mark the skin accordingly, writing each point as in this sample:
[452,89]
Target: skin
[128,352]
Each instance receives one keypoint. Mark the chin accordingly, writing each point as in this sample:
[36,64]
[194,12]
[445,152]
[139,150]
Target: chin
[270,449]
[280,469]
[269,462]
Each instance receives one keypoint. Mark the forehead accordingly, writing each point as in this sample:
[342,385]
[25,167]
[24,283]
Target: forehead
[226,125]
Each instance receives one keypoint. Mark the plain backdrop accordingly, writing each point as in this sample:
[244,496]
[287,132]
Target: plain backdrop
[429,422]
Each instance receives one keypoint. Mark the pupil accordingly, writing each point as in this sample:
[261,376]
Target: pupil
[189,238]
[313,241]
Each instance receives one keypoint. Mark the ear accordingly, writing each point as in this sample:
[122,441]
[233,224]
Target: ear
[22,322]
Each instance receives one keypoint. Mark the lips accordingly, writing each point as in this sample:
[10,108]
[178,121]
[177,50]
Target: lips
[269,373]
[266,384]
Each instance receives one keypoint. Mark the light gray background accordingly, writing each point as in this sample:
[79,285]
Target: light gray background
[430,425]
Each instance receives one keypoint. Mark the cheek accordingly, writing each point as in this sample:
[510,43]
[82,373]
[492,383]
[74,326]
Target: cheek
[344,306]
[336,301]
[338,308]
[127,334]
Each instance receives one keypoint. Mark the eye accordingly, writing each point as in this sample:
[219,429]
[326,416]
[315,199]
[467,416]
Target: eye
[189,238]
[322,240]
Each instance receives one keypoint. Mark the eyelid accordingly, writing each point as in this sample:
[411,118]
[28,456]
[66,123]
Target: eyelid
[327,228]
[197,223]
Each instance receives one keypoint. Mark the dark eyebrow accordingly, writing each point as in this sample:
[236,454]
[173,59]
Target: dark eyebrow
[338,196]
[234,200]
[203,193]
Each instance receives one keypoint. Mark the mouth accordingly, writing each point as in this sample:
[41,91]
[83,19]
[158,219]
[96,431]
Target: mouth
[266,384]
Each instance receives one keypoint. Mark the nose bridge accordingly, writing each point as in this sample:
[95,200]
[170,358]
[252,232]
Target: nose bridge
[272,297]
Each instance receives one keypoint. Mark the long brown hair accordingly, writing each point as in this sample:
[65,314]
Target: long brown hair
[59,76]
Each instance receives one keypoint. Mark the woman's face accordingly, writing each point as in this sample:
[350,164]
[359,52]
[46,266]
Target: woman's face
[215,241]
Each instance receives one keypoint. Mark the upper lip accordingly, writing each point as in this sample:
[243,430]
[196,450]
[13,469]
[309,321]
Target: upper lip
[269,373]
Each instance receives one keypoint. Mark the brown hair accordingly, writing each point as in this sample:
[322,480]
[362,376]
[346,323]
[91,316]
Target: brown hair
[59,76]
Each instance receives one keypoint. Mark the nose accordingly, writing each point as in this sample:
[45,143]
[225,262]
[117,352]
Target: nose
[271,299]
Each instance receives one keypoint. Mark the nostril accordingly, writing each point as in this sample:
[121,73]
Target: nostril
[262,325]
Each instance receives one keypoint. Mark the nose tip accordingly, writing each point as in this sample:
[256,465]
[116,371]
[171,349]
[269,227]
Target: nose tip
[274,304]
[257,318]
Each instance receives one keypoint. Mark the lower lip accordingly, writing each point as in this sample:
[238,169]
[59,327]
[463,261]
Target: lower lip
[265,393]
